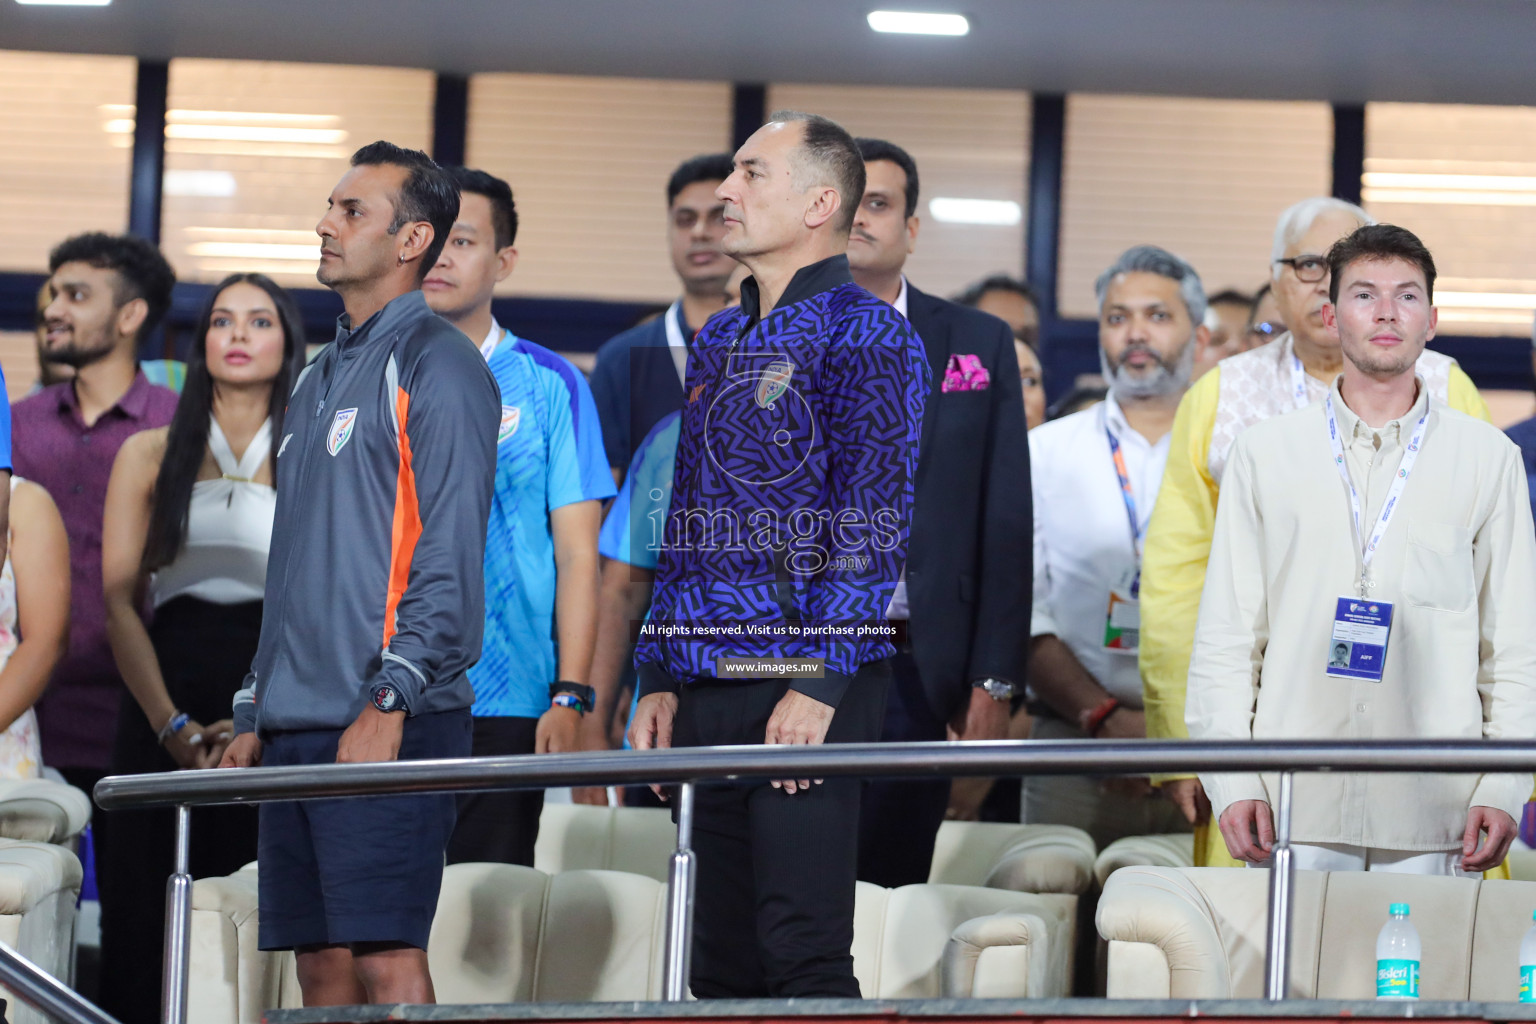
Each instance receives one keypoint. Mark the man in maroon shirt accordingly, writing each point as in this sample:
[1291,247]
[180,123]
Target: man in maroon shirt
[107,293]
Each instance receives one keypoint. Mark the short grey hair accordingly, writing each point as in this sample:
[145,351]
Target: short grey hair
[1150,259]
[1298,219]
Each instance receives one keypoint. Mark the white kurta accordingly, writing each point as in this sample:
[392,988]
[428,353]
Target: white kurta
[1083,533]
[1459,563]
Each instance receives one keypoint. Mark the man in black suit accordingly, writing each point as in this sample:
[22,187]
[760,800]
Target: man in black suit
[965,595]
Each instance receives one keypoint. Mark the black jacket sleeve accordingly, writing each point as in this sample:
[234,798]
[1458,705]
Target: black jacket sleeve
[1000,643]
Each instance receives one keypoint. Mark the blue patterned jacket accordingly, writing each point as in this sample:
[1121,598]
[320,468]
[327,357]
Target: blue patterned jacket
[792,495]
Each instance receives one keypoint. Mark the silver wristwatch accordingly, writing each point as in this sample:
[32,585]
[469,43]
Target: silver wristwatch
[997,689]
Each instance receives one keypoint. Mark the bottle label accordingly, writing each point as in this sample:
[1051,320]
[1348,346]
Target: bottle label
[1399,979]
[1528,983]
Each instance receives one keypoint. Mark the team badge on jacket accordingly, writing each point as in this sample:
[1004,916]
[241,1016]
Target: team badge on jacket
[341,430]
[511,416]
[774,382]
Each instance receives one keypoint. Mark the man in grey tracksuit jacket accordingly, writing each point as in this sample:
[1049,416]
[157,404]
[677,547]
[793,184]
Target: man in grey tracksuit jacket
[391,432]
[375,597]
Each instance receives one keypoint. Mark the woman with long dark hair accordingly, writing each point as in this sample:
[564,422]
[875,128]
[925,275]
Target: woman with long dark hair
[187,525]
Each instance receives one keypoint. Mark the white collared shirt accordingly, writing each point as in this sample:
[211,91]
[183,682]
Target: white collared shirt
[1083,542]
[901,298]
[492,339]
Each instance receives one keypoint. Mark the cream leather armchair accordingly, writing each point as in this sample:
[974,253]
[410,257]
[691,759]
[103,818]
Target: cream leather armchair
[1023,858]
[39,886]
[1199,933]
[43,811]
[961,941]
[513,934]
[1176,850]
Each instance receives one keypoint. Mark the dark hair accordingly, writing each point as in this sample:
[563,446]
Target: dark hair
[503,209]
[187,437]
[428,194]
[707,167]
[142,271]
[878,149]
[1230,297]
[997,283]
[828,148]
[1258,298]
[1379,242]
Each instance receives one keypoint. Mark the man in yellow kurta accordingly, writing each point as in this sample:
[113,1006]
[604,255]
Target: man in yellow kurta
[1290,372]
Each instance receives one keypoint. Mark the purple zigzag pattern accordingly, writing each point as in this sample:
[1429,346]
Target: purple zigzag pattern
[800,509]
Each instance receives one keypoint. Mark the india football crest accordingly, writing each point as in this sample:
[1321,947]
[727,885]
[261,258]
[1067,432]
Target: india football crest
[341,430]
[774,382]
[511,416]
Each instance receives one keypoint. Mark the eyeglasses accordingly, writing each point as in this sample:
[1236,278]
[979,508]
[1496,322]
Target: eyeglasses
[1308,269]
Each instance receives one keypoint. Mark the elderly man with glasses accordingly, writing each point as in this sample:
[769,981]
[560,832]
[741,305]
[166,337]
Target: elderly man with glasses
[1293,372]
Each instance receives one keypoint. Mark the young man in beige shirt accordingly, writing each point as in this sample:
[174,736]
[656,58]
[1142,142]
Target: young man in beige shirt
[1382,522]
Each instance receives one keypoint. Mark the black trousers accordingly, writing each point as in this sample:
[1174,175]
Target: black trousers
[899,821]
[501,826]
[204,650]
[776,871]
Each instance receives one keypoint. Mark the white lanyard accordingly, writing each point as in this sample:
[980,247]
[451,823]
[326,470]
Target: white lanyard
[675,341]
[1404,468]
[1299,382]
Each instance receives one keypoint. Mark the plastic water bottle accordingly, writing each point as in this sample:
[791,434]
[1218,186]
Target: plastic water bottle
[1397,956]
[1528,965]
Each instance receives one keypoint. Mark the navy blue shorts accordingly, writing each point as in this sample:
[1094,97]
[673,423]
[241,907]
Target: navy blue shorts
[368,869]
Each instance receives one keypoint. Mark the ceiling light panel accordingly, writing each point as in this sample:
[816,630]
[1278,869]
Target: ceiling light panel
[994,212]
[921,23]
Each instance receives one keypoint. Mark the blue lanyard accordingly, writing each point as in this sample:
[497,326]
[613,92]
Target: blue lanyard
[1118,458]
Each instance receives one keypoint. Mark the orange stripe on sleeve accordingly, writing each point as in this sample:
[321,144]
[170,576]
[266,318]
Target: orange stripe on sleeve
[407,527]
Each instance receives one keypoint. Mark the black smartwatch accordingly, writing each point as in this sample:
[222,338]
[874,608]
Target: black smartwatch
[387,698]
[585,695]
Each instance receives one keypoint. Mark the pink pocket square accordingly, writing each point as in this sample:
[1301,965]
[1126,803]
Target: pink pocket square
[965,373]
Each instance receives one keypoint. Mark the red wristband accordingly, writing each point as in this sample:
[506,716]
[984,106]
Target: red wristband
[1092,720]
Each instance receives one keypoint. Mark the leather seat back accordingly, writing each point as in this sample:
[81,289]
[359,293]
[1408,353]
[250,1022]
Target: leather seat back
[1189,933]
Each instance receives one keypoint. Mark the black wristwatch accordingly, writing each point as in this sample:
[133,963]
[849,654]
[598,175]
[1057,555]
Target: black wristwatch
[585,694]
[998,689]
[387,698]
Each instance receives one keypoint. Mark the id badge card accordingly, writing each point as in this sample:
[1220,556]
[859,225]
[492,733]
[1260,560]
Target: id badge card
[1122,620]
[1358,647]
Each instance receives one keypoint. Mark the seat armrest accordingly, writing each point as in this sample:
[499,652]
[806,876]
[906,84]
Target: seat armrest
[1047,858]
[42,811]
[1138,970]
[1170,851]
[1000,956]
[1162,907]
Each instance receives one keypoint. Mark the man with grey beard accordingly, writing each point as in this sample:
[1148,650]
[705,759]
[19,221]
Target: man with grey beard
[1095,476]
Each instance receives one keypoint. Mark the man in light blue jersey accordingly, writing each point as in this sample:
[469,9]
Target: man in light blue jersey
[630,543]
[541,546]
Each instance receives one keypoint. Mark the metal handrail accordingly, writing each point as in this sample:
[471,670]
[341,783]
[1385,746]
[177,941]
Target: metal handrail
[691,766]
[871,760]
[42,991]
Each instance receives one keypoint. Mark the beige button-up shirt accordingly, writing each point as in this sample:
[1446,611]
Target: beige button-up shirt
[1458,562]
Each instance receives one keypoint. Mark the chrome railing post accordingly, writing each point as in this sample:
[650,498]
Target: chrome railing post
[178,926]
[680,889]
[1282,881]
[42,991]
